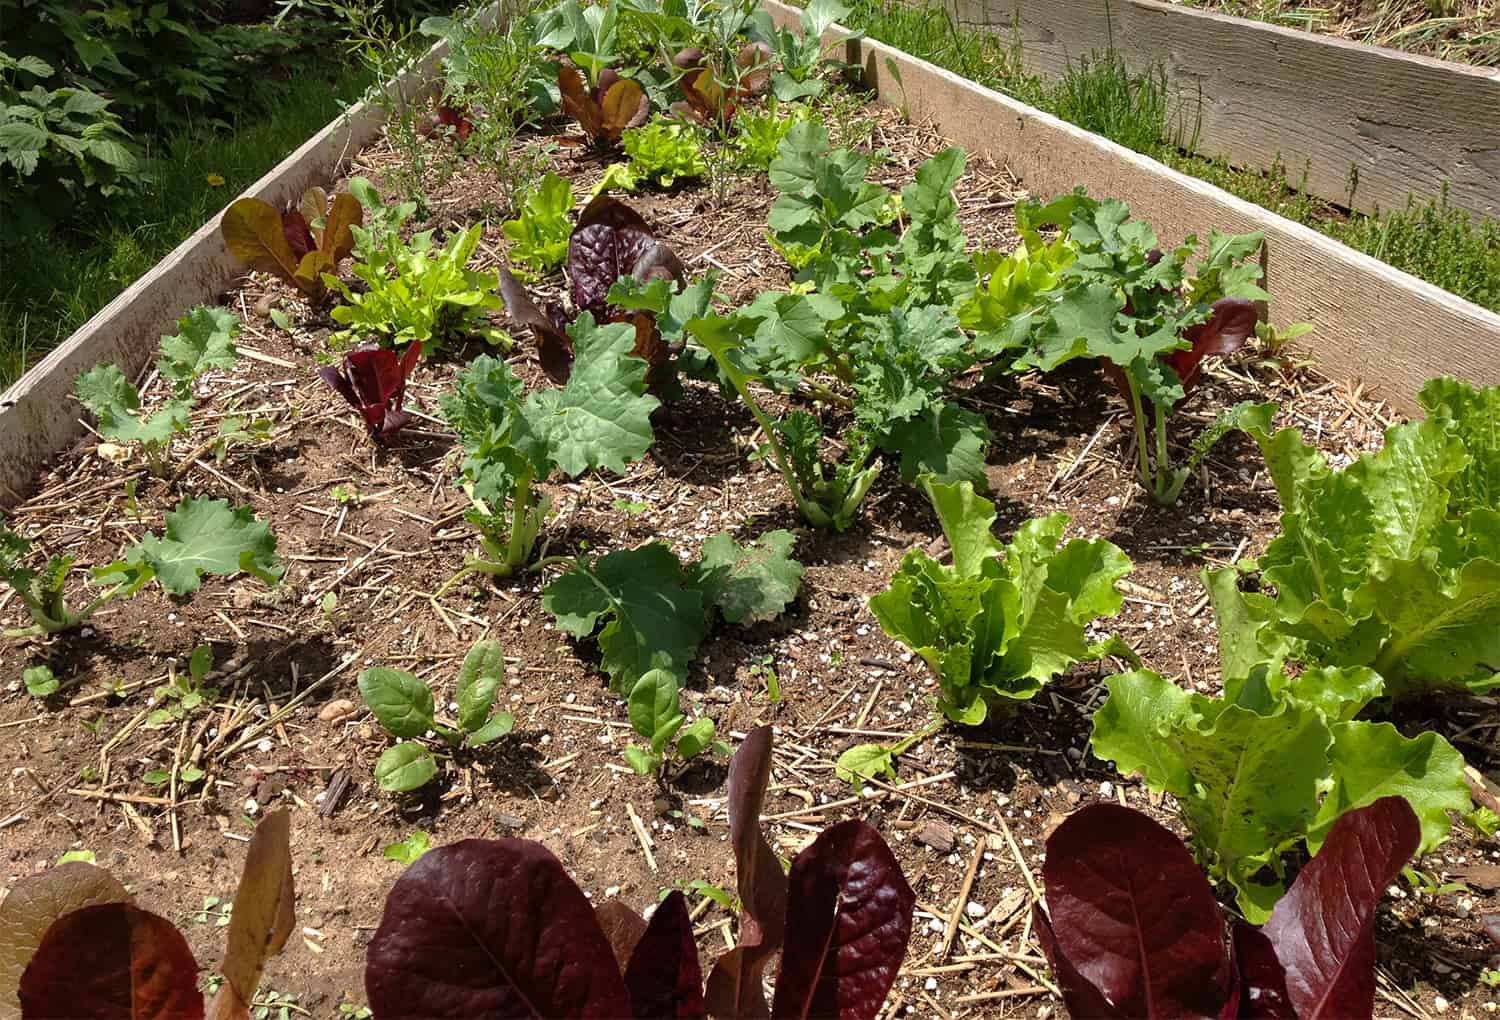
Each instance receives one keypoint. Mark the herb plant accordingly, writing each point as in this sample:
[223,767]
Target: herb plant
[1003,619]
[1391,563]
[1131,929]
[403,704]
[417,293]
[665,151]
[539,234]
[841,919]
[287,245]
[202,536]
[204,341]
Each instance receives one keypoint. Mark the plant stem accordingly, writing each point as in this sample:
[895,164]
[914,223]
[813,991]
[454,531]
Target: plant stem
[1163,492]
[1144,463]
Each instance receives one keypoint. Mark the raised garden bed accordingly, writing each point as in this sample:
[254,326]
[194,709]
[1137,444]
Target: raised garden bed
[273,716]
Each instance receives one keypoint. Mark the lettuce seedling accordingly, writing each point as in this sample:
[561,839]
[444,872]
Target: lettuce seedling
[1131,928]
[1392,563]
[373,380]
[202,536]
[513,440]
[604,111]
[758,135]
[539,234]
[417,293]
[1274,762]
[1133,306]
[287,245]
[841,919]
[382,223]
[78,946]
[403,705]
[665,152]
[204,341]
[1003,619]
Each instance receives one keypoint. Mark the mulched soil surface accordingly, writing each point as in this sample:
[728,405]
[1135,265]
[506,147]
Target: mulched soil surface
[383,530]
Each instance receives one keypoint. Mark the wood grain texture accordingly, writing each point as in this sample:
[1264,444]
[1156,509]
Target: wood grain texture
[38,415]
[1375,324]
[1405,123]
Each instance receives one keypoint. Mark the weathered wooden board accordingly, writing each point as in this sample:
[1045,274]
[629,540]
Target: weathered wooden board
[1397,123]
[38,415]
[1376,324]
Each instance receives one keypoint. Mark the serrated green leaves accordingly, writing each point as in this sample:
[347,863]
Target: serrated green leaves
[204,341]
[113,401]
[665,151]
[207,536]
[749,583]
[1004,619]
[652,618]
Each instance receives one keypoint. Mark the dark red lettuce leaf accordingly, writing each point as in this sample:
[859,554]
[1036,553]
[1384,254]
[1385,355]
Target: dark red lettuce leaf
[1323,929]
[1133,915]
[554,348]
[848,922]
[374,381]
[109,961]
[1079,995]
[298,234]
[457,119]
[491,929]
[1257,982]
[623,927]
[663,976]
[1230,323]
[608,241]
[603,112]
[734,984]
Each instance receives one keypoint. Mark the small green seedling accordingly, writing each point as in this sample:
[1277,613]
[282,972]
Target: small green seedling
[408,850]
[40,683]
[655,713]
[866,762]
[217,912]
[403,704]
[183,695]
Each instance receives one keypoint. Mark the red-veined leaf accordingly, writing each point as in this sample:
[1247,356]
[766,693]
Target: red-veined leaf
[1257,981]
[608,241]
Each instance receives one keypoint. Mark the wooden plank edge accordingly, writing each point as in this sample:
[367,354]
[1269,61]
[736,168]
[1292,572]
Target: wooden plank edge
[38,416]
[1387,346]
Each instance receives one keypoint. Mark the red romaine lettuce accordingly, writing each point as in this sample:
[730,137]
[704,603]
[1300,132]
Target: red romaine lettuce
[373,380]
[605,111]
[456,119]
[284,244]
[1131,927]
[1231,322]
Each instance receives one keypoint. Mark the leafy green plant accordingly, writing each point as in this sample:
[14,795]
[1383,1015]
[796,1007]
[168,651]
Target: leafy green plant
[407,851]
[802,53]
[1132,305]
[202,536]
[665,151]
[215,911]
[758,134]
[382,221]
[1392,563]
[205,341]
[655,612]
[403,704]
[514,441]
[1272,764]
[1004,618]
[58,147]
[418,293]
[864,762]
[40,681]
[185,693]
[539,234]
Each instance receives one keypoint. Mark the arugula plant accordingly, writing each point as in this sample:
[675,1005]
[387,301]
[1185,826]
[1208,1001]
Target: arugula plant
[1391,563]
[1004,618]
[513,441]
[417,293]
[802,53]
[665,151]
[403,704]
[1272,764]
[843,899]
[289,245]
[540,232]
[1136,308]
[1121,949]
[204,342]
[201,536]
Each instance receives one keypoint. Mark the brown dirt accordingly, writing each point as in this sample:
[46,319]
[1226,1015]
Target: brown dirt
[78,762]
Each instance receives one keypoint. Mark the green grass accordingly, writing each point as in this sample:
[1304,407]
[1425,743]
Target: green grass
[52,287]
[1432,241]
